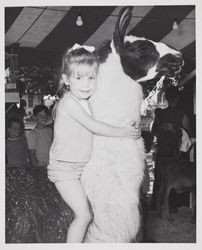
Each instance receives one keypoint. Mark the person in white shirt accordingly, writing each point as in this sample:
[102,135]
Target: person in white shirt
[40,138]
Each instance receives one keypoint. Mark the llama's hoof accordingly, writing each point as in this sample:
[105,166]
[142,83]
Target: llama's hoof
[173,210]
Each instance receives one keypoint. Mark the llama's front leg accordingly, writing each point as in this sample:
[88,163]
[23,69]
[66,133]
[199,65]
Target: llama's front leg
[159,199]
[167,210]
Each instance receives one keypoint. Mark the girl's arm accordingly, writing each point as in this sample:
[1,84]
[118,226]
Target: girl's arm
[27,150]
[32,158]
[74,109]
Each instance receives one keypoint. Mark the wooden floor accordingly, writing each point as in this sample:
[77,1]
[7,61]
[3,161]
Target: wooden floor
[181,230]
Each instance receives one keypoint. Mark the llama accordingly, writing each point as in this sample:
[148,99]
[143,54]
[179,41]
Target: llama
[113,175]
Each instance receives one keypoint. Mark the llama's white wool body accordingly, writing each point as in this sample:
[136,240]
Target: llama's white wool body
[113,175]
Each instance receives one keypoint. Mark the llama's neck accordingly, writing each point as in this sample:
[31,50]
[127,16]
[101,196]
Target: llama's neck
[117,98]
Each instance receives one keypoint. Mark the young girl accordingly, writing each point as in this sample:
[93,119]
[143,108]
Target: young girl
[73,128]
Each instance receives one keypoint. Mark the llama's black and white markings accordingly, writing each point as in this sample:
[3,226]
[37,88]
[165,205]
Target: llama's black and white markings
[113,176]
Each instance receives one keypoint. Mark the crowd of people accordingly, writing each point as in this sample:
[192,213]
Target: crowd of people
[33,149]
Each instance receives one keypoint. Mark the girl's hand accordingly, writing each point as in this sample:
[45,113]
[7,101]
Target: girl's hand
[133,132]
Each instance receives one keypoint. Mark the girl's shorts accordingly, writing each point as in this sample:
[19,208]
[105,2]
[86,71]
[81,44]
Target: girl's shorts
[64,170]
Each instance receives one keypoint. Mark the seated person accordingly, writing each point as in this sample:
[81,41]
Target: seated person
[40,138]
[16,144]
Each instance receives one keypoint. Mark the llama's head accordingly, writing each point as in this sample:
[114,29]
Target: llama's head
[143,59]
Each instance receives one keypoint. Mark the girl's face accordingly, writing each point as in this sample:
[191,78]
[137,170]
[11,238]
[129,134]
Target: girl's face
[15,130]
[82,80]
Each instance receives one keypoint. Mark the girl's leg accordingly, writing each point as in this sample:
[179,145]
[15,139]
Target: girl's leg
[74,195]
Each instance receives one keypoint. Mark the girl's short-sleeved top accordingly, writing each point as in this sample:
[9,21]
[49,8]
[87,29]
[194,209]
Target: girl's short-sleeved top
[71,142]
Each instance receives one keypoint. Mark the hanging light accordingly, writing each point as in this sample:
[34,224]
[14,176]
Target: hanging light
[175,25]
[79,21]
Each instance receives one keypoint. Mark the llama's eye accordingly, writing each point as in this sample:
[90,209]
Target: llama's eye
[131,49]
[92,78]
[144,50]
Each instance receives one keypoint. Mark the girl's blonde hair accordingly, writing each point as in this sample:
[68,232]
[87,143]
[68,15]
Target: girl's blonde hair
[71,58]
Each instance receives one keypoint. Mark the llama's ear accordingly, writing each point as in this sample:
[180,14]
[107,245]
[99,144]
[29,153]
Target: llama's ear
[123,20]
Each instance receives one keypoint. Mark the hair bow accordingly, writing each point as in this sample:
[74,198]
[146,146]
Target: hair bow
[78,46]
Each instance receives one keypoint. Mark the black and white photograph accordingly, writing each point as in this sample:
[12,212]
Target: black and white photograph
[100,124]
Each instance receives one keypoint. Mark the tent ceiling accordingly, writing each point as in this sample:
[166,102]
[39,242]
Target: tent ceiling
[43,33]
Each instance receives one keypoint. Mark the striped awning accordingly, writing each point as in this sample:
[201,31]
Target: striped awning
[40,34]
